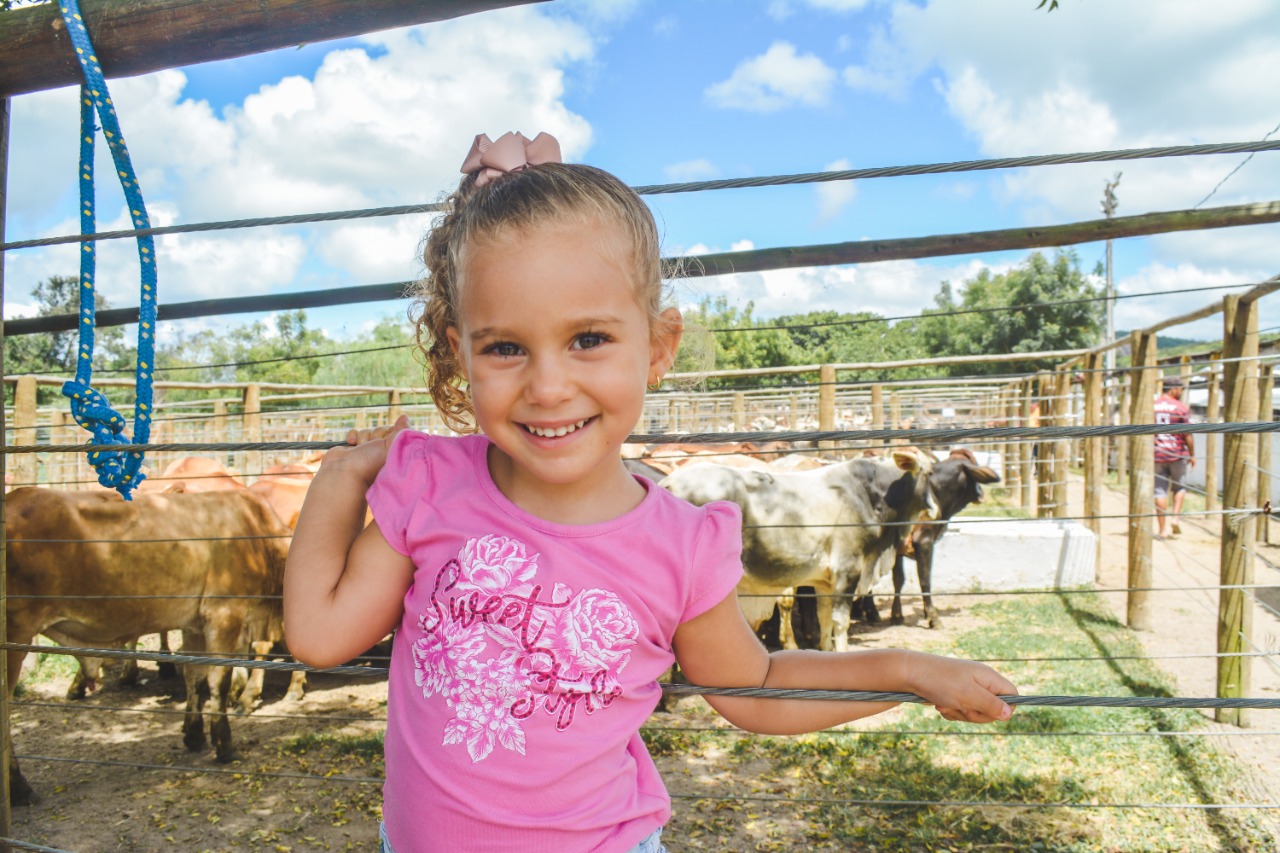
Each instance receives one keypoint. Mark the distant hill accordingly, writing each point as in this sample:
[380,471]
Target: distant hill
[1164,342]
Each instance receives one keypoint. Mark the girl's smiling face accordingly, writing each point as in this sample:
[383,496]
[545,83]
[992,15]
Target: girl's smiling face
[557,350]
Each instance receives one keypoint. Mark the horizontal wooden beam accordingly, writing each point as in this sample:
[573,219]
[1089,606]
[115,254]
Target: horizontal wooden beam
[139,36]
[1092,231]
[990,358]
[755,260]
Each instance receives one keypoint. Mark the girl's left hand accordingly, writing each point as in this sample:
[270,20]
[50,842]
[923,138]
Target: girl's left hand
[963,690]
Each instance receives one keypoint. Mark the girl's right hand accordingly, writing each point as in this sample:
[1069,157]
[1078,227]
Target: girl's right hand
[366,450]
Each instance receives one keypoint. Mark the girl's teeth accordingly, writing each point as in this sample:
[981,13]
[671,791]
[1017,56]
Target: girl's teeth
[558,431]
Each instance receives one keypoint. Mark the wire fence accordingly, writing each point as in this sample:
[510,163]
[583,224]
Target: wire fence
[922,437]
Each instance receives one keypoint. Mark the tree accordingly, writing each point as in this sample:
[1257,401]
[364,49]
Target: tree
[736,344]
[830,337]
[284,350]
[1038,306]
[57,353]
[391,359]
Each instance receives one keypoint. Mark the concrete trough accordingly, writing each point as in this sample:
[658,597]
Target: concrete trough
[983,554]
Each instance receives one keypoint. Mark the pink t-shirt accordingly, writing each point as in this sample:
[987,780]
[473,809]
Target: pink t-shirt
[528,655]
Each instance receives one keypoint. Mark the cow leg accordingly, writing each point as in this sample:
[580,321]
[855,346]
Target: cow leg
[838,618]
[865,607]
[20,792]
[786,604]
[924,568]
[899,578]
[85,681]
[804,619]
[219,724]
[197,693]
[167,670]
[250,696]
[297,686]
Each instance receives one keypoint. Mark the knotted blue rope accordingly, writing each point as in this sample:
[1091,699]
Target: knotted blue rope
[116,469]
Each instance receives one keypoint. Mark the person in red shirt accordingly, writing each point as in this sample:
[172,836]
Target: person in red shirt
[1174,453]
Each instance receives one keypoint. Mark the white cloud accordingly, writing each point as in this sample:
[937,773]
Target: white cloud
[369,130]
[834,196]
[1112,75]
[891,288]
[1161,280]
[374,252]
[782,9]
[777,78]
[837,5]
[692,170]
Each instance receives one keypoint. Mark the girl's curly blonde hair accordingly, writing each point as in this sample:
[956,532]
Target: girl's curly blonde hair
[522,202]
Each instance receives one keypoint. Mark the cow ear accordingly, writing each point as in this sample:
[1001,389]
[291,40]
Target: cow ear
[906,460]
[982,474]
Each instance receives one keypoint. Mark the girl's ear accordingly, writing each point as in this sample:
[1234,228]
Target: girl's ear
[664,342]
[455,344]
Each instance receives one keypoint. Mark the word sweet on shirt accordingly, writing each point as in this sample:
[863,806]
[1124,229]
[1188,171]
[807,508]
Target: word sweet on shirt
[498,647]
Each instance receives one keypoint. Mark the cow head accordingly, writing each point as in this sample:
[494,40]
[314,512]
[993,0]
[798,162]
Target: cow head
[957,482]
[920,465]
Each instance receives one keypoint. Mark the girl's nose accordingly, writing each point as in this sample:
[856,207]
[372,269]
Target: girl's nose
[549,382]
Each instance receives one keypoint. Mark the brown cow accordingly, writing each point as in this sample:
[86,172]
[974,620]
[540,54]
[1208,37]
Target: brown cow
[214,562]
[193,474]
[285,495]
[186,474]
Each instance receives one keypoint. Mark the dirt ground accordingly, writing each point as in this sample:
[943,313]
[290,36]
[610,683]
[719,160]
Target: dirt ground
[294,788]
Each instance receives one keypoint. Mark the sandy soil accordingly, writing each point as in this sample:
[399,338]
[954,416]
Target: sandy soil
[291,789]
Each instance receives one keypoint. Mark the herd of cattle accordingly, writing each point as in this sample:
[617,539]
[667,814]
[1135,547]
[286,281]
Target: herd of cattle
[197,550]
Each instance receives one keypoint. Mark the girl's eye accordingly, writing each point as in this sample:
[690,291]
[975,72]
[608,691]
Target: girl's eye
[502,348]
[590,340]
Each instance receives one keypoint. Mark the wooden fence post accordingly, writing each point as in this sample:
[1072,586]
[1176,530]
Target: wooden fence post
[1142,382]
[1239,481]
[826,402]
[1024,446]
[1010,450]
[1044,448]
[1211,440]
[1062,457]
[1095,449]
[393,406]
[739,412]
[251,429]
[1266,388]
[24,429]
[1122,446]
[877,411]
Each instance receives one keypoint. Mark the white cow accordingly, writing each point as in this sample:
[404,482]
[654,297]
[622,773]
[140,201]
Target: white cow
[834,528]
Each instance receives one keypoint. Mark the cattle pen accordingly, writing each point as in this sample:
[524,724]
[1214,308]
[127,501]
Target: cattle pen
[1072,444]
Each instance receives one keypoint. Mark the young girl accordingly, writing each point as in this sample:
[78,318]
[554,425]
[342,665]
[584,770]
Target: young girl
[538,590]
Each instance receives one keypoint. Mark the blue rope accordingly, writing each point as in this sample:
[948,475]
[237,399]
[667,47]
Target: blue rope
[116,469]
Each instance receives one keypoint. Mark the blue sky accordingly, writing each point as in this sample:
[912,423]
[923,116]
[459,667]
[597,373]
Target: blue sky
[658,91]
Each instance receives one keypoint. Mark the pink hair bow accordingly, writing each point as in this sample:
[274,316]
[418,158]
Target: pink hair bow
[510,153]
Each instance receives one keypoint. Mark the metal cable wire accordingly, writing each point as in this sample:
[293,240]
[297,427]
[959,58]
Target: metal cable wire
[720,730]
[969,434]
[702,186]
[789,801]
[754,692]
[30,845]
[968,804]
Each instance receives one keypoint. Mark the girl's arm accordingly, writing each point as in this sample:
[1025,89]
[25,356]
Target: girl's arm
[344,585]
[718,649]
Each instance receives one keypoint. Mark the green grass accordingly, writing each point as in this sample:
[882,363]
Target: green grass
[45,667]
[365,745]
[1032,760]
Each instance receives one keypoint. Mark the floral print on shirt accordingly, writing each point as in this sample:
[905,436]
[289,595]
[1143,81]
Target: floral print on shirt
[556,651]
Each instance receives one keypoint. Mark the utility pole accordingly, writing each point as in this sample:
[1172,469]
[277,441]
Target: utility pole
[1109,205]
